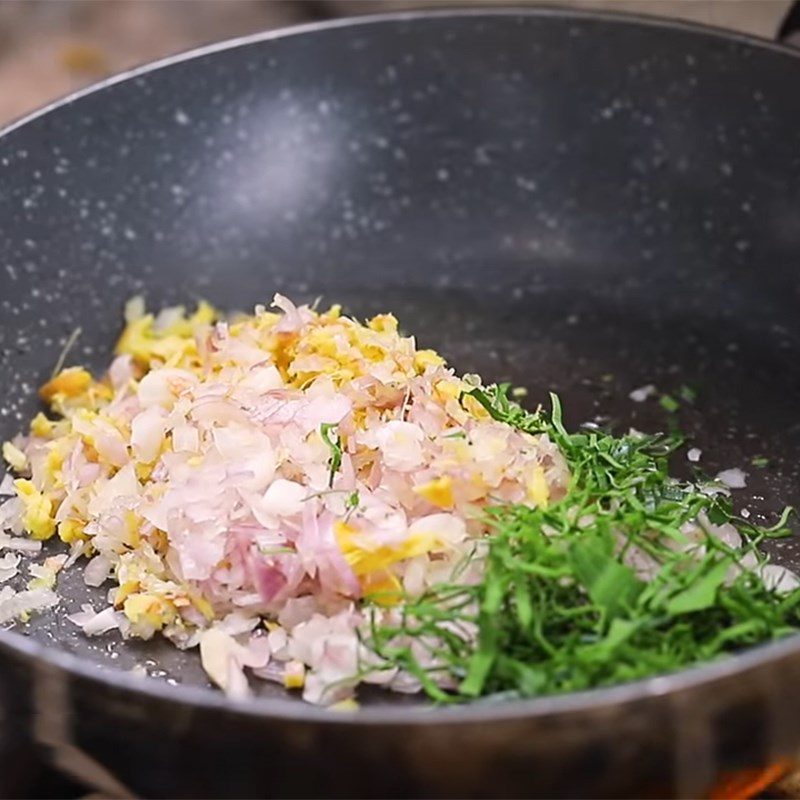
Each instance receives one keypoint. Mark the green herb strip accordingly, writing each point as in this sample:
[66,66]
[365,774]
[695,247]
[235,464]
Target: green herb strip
[560,608]
[331,438]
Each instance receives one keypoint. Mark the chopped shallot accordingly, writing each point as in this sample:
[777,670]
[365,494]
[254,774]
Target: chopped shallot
[244,485]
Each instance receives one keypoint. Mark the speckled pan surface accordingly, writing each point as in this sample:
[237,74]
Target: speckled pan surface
[569,201]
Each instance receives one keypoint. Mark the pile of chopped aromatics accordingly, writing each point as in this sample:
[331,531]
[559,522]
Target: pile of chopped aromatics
[320,502]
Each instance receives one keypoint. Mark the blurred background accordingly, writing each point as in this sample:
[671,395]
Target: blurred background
[49,48]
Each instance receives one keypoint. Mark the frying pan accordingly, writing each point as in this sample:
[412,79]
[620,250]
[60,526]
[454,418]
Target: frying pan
[577,202]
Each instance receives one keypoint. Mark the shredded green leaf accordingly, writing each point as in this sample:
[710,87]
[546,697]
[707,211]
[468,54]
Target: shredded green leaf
[335,444]
[687,394]
[669,403]
[564,605]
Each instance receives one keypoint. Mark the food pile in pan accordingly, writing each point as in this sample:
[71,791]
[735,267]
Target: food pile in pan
[314,500]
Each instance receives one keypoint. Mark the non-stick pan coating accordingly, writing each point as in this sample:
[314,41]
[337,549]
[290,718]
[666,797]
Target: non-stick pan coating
[574,203]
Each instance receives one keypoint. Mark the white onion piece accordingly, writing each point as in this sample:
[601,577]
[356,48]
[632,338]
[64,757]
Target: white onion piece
[733,478]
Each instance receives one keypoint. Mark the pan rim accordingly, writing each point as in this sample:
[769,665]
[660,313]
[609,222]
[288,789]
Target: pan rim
[206,698]
[16,644]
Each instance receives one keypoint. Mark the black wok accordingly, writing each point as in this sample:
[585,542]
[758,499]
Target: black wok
[570,201]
